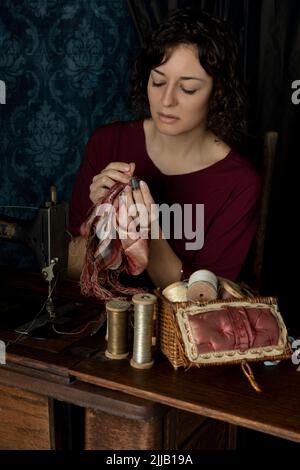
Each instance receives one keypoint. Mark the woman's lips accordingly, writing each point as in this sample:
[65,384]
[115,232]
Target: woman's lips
[167,118]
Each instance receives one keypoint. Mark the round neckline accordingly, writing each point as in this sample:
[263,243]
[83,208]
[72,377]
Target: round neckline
[212,166]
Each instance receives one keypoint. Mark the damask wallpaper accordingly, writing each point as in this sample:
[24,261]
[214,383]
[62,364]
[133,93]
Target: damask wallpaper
[65,65]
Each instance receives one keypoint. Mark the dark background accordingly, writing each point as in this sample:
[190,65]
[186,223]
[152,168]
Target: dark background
[66,67]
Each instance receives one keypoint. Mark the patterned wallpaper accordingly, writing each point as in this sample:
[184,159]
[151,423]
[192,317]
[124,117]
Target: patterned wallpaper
[65,64]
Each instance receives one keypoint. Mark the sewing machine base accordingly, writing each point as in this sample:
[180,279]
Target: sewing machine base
[21,315]
[45,327]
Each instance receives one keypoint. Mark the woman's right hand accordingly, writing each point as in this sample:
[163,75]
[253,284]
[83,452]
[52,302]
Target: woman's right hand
[114,172]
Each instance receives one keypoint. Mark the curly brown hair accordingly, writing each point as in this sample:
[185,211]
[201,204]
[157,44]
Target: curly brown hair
[218,55]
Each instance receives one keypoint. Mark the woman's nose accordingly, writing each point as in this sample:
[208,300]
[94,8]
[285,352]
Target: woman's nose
[169,96]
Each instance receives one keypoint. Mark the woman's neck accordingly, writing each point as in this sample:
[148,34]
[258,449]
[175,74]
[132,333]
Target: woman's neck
[183,153]
[183,146]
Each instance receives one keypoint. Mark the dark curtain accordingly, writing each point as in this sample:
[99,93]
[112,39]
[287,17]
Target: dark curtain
[279,66]
[268,32]
[148,14]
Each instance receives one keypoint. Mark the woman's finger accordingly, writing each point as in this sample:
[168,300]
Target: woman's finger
[149,202]
[146,194]
[99,194]
[117,175]
[132,168]
[113,174]
[119,166]
[130,203]
[100,188]
[104,182]
[144,218]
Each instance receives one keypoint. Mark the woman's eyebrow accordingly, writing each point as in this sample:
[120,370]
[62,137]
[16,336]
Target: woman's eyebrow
[181,78]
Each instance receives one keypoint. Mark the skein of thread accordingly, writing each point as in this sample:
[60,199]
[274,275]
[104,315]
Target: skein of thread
[230,290]
[176,292]
[143,328]
[202,286]
[117,329]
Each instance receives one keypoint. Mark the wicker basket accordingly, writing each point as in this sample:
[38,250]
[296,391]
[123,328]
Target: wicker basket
[168,332]
[169,337]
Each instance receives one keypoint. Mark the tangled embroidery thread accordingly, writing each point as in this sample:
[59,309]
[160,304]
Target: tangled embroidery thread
[110,250]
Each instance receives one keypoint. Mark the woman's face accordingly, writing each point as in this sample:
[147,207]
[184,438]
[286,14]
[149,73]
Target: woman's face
[179,92]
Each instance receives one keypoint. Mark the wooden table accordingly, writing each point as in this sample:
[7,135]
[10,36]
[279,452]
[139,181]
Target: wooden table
[220,392]
[64,394]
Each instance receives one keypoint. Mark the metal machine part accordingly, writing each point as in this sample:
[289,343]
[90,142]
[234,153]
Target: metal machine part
[48,237]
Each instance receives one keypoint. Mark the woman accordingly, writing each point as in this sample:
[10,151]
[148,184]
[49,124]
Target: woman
[185,152]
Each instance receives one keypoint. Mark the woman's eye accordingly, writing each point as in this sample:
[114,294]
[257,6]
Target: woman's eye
[157,83]
[188,92]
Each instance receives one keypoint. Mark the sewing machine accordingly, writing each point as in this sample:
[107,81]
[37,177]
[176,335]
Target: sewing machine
[47,236]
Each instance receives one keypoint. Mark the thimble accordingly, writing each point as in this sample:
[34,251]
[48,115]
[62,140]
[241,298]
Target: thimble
[135,183]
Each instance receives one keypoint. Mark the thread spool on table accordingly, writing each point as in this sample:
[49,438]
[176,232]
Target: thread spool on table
[142,337]
[176,292]
[202,286]
[117,329]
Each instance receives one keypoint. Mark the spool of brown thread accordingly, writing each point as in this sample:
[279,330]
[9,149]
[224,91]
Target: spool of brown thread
[117,329]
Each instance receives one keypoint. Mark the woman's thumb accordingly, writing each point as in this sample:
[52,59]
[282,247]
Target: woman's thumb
[132,168]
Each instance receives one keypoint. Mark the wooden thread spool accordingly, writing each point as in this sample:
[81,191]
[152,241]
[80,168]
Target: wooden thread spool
[202,286]
[117,329]
[142,338]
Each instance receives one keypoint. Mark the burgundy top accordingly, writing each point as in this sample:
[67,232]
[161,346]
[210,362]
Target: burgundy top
[229,190]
